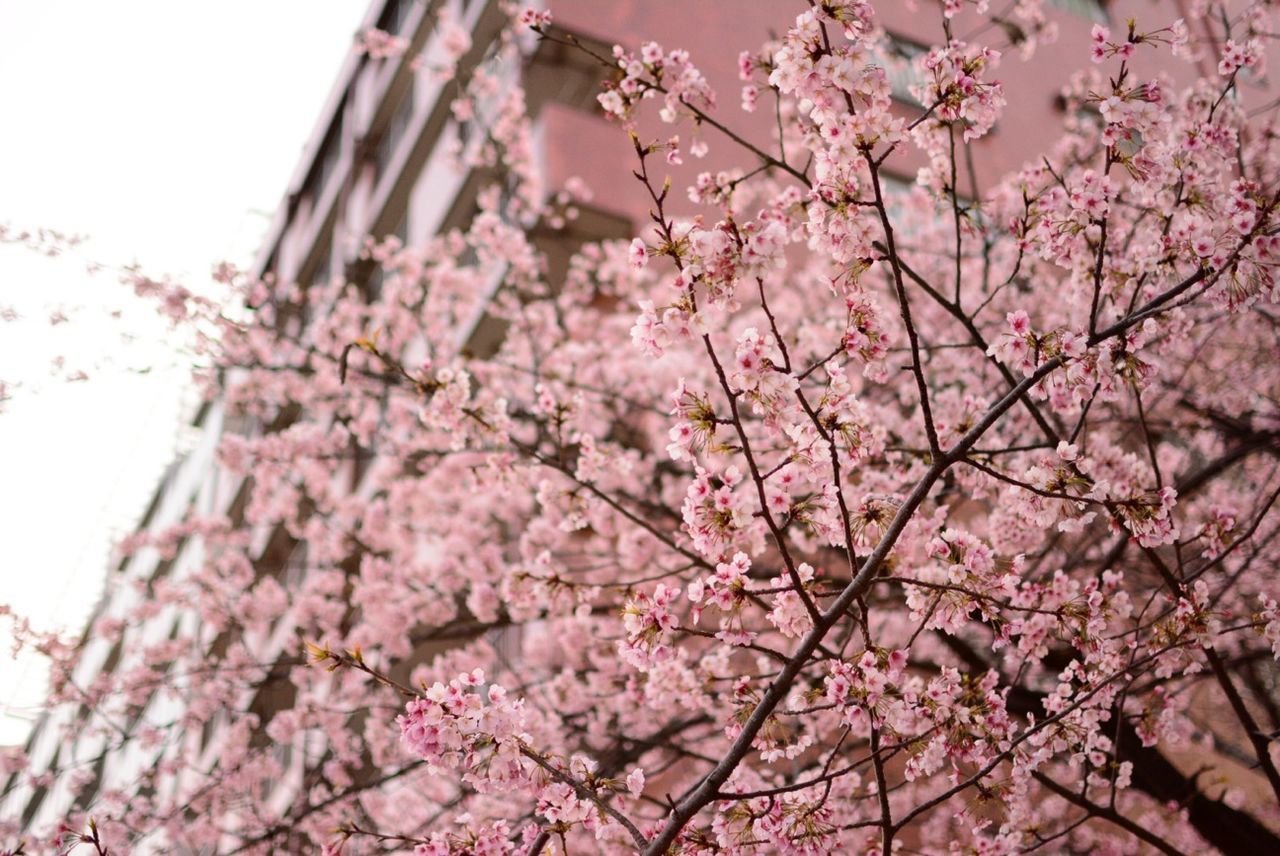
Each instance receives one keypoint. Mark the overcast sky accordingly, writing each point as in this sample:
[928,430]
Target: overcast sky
[165,132]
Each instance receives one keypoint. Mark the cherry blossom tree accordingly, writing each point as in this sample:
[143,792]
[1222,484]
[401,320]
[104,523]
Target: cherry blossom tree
[822,516]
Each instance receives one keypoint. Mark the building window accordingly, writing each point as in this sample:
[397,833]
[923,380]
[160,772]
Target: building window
[393,16]
[1092,10]
[373,285]
[372,275]
[324,271]
[899,57]
[1079,111]
[295,569]
[394,133]
[326,160]
[896,190]
[566,75]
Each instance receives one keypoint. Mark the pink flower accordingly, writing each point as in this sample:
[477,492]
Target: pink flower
[638,254]
[531,17]
[635,782]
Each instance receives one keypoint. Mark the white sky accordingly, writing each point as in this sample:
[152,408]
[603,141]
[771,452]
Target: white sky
[165,131]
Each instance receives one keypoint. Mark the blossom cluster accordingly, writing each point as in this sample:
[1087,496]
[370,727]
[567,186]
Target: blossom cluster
[856,499]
